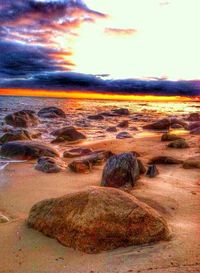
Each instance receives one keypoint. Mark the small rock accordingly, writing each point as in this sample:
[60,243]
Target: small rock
[49,165]
[80,166]
[24,119]
[111,129]
[152,171]
[123,135]
[194,117]
[18,134]
[120,171]
[179,144]
[121,111]
[159,125]
[164,160]
[68,134]
[96,117]
[123,124]
[77,152]
[169,137]
[51,112]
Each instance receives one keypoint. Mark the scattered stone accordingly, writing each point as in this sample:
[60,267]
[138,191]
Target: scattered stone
[98,219]
[178,123]
[193,125]
[123,135]
[24,119]
[194,117]
[176,126]
[51,112]
[111,129]
[49,165]
[123,124]
[27,150]
[170,137]
[3,219]
[80,166]
[97,157]
[77,152]
[195,131]
[192,162]
[161,124]
[164,160]
[68,134]
[133,128]
[179,144]
[18,134]
[96,117]
[152,171]
[121,112]
[121,171]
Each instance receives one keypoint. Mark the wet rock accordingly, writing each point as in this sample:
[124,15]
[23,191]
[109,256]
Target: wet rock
[161,124]
[152,171]
[192,162]
[133,128]
[18,134]
[111,129]
[176,126]
[97,157]
[195,131]
[50,165]
[24,119]
[123,124]
[51,112]
[164,160]
[35,134]
[80,166]
[96,117]
[193,125]
[98,219]
[194,117]
[27,150]
[69,133]
[3,219]
[77,152]
[169,137]
[122,135]
[178,123]
[121,111]
[121,171]
[108,114]
[179,144]
[141,166]
[6,128]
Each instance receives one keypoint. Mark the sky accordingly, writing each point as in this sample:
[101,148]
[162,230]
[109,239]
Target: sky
[129,46]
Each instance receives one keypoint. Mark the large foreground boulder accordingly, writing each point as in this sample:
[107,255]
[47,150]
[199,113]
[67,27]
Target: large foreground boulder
[98,219]
[68,134]
[27,150]
[51,112]
[24,119]
[161,124]
[121,171]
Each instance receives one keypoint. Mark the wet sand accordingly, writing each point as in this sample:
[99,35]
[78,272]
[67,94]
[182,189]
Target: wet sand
[175,193]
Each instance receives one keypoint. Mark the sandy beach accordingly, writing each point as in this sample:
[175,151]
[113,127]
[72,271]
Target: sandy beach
[174,193]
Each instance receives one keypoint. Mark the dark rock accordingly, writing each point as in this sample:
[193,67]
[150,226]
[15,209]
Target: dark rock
[194,117]
[133,128]
[77,152]
[178,123]
[120,171]
[50,165]
[111,129]
[158,125]
[121,112]
[96,117]
[80,166]
[123,124]
[24,119]
[164,160]
[108,114]
[68,134]
[122,135]
[195,131]
[97,157]
[51,112]
[176,126]
[193,125]
[179,144]
[18,134]
[98,219]
[169,137]
[152,171]
[27,150]
[192,162]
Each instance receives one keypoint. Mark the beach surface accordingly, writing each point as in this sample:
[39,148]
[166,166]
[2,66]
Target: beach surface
[174,193]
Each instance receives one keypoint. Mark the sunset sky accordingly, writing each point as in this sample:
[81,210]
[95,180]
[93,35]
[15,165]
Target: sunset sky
[109,45]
